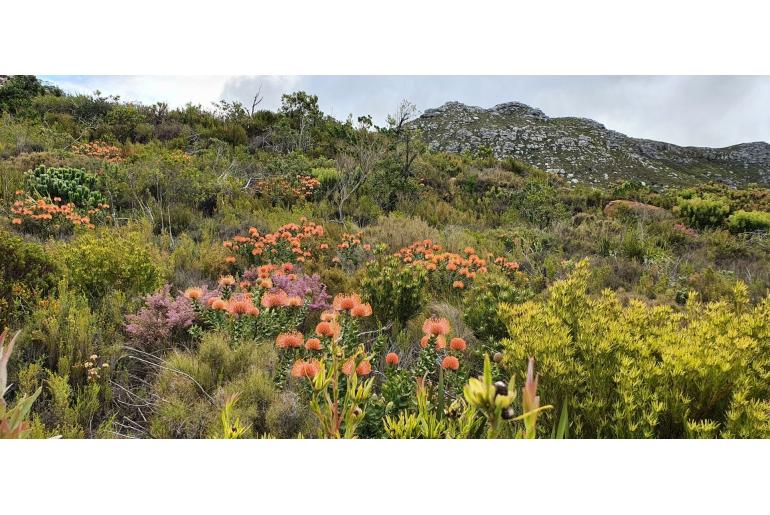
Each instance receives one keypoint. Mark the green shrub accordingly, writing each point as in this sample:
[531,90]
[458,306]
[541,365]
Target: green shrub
[645,371]
[703,212]
[68,184]
[481,303]
[749,221]
[27,273]
[396,291]
[103,261]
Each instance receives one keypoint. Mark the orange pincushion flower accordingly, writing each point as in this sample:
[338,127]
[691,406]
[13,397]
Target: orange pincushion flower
[230,260]
[392,359]
[345,302]
[361,310]
[364,368]
[16,221]
[193,293]
[265,283]
[436,326]
[313,344]
[294,301]
[289,340]
[329,315]
[470,250]
[424,341]
[275,299]
[440,342]
[218,304]
[347,367]
[458,344]
[307,369]
[331,329]
[450,363]
[239,306]
[458,284]
[226,280]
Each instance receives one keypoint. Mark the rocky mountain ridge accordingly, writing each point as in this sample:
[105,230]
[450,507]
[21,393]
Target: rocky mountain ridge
[585,151]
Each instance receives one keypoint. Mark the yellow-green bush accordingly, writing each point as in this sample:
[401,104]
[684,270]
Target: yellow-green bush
[26,274]
[748,221]
[635,370]
[103,261]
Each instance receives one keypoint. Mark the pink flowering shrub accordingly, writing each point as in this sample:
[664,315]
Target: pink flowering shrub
[163,320]
[308,287]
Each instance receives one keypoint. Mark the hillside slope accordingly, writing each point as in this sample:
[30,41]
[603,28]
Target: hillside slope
[585,151]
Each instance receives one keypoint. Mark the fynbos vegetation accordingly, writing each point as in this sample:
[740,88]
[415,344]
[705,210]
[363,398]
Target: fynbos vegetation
[241,273]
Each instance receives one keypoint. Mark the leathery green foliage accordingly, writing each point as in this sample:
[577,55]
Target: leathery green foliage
[633,370]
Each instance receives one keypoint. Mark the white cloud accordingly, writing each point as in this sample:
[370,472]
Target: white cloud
[174,90]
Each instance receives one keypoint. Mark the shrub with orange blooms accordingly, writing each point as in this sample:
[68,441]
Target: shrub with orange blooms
[101,150]
[286,189]
[246,310]
[436,356]
[290,244]
[352,252]
[447,270]
[452,271]
[292,340]
[48,218]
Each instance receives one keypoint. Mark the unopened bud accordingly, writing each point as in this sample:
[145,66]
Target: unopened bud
[501,388]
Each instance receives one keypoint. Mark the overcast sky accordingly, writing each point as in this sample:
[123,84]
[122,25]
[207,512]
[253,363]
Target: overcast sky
[713,111]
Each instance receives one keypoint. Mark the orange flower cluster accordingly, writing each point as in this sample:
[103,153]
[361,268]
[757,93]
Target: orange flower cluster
[437,329]
[109,153]
[460,270]
[433,258]
[329,326]
[352,304]
[309,368]
[280,299]
[364,368]
[42,211]
[352,250]
[300,187]
[352,241]
[292,340]
[241,304]
[509,266]
[290,243]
